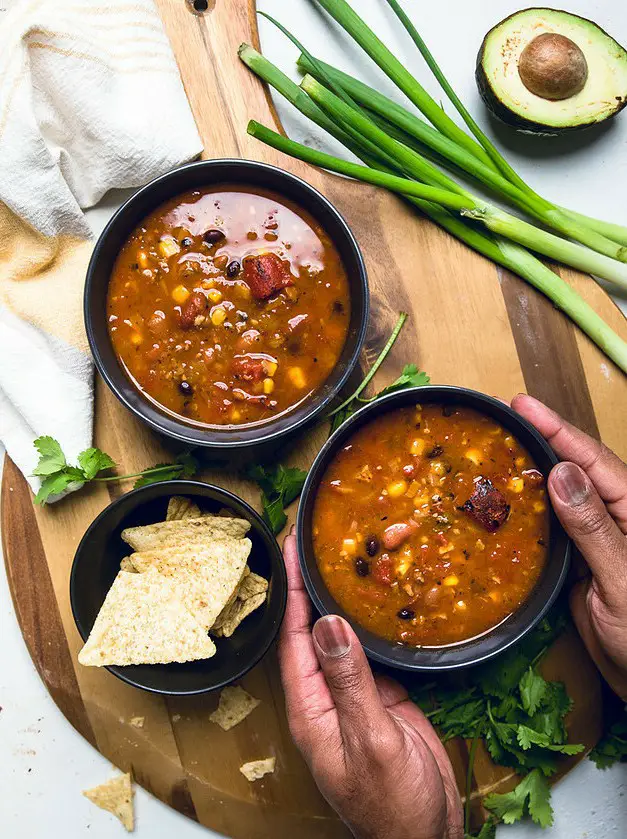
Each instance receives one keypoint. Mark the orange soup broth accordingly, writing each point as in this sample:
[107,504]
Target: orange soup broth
[231,359]
[450,579]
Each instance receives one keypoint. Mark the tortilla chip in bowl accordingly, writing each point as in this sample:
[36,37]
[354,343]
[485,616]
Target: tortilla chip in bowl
[196,579]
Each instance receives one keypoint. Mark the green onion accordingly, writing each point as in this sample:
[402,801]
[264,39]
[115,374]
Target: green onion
[520,231]
[391,66]
[343,13]
[509,255]
[614,232]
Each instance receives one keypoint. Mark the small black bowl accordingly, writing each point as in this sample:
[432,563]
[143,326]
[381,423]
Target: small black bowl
[233,440]
[97,561]
[495,641]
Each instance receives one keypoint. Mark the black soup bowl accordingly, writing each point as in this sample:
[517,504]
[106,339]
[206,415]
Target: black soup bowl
[491,643]
[229,441]
[97,562]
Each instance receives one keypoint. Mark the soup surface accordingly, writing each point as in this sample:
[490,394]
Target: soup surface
[431,525]
[228,306]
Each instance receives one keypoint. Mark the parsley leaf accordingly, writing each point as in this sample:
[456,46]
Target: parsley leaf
[279,486]
[51,458]
[532,795]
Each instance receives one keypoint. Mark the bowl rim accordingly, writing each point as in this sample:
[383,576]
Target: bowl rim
[320,464]
[179,430]
[276,558]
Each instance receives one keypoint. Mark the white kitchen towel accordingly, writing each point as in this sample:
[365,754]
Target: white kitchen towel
[90,99]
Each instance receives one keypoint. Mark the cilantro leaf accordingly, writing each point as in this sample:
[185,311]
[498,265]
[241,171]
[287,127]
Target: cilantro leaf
[185,466]
[533,689]
[59,482]
[527,738]
[59,476]
[612,747]
[488,831]
[92,461]
[410,376]
[51,457]
[532,795]
[459,713]
[279,486]
[500,677]
[188,464]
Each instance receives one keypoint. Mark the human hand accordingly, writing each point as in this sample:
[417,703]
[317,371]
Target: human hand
[373,754]
[589,495]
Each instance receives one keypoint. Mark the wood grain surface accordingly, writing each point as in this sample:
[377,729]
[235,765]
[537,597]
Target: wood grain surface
[471,323]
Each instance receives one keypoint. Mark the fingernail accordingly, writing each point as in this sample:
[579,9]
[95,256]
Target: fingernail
[331,636]
[292,530]
[570,484]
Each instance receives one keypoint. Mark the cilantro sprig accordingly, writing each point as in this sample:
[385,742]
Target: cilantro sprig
[411,376]
[59,476]
[279,486]
[519,715]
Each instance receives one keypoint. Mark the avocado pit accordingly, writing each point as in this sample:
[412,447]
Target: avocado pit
[553,67]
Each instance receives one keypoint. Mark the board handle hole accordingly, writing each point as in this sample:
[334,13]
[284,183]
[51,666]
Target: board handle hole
[199,7]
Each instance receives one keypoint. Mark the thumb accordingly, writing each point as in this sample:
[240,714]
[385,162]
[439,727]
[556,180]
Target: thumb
[359,706]
[587,521]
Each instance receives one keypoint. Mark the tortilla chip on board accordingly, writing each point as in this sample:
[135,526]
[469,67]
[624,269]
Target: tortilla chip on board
[184,533]
[143,621]
[234,705]
[205,578]
[116,796]
[256,769]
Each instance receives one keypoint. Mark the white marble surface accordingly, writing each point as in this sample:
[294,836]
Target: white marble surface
[44,764]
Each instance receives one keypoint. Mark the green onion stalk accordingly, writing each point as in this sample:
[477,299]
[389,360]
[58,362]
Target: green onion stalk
[497,220]
[573,226]
[616,232]
[510,255]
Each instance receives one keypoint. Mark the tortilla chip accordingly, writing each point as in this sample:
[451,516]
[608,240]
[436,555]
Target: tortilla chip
[116,796]
[182,508]
[127,565]
[236,614]
[252,584]
[185,533]
[256,769]
[143,621]
[234,706]
[205,578]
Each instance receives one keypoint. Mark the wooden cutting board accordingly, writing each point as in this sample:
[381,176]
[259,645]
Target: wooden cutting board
[471,324]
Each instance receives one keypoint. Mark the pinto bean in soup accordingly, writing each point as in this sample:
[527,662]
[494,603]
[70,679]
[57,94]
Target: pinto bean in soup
[228,306]
[431,525]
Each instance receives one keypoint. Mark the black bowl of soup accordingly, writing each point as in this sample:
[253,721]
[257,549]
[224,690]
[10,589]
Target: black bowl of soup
[425,522]
[226,304]
[102,556]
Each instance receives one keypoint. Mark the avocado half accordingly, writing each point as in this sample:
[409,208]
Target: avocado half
[548,71]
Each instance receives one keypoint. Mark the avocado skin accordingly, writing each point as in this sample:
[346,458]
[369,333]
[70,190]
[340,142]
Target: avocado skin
[502,112]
